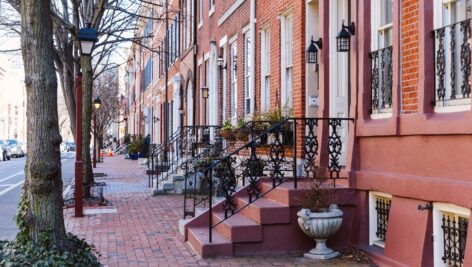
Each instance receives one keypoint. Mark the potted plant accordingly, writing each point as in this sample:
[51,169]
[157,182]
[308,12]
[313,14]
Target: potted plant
[227,132]
[133,150]
[242,133]
[319,218]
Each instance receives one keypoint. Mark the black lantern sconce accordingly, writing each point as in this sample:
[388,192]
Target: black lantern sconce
[343,39]
[312,51]
[221,63]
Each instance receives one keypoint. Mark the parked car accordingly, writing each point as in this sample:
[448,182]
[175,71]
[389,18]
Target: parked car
[5,153]
[70,147]
[16,149]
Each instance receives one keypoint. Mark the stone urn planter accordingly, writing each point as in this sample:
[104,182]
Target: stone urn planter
[320,226]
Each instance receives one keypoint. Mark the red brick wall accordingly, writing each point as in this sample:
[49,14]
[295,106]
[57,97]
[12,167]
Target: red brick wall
[409,56]
[268,16]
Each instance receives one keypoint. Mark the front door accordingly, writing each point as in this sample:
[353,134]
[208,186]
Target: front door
[338,73]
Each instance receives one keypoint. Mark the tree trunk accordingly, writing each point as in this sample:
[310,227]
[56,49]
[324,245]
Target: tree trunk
[87,82]
[43,183]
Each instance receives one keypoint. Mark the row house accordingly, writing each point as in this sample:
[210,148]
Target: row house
[401,74]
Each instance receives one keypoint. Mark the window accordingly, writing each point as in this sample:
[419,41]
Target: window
[212,7]
[247,74]
[379,210]
[148,73]
[381,58]
[450,223]
[200,14]
[234,82]
[452,55]
[186,23]
[287,64]
[265,70]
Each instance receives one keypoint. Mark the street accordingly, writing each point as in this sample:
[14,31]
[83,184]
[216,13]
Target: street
[11,180]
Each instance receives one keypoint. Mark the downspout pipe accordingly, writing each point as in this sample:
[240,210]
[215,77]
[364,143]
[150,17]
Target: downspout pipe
[252,29]
[194,78]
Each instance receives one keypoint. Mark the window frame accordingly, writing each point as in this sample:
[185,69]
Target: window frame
[440,208]
[373,196]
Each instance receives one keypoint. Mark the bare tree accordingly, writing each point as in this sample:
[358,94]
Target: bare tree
[43,184]
[117,23]
[106,87]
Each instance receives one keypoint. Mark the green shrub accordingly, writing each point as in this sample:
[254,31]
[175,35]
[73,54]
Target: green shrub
[44,253]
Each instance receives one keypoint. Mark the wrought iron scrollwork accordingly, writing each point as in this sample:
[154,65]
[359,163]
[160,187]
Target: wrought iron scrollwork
[441,64]
[277,155]
[254,168]
[382,206]
[452,33]
[334,147]
[227,184]
[465,58]
[374,79]
[454,239]
[311,147]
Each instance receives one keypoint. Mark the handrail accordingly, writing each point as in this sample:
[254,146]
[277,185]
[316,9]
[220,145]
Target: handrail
[253,165]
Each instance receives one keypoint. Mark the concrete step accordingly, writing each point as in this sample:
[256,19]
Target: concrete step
[264,211]
[198,239]
[237,228]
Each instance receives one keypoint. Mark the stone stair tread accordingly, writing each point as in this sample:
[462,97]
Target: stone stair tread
[202,235]
[236,220]
[262,202]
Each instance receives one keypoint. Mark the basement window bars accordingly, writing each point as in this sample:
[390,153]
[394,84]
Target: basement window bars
[454,237]
[382,206]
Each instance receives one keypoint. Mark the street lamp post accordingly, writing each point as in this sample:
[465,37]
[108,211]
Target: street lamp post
[97,102]
[87,38]
[79,210]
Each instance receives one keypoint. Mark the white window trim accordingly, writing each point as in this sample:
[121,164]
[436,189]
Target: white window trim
[457,105]
[438,209]
[212,9]
[265,69]
[285,103]
[247,76]
[373,240]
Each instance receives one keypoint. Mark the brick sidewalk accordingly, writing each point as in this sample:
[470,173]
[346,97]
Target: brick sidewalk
[137,229]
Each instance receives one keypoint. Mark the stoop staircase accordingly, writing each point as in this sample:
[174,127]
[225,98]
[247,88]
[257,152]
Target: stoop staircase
[259,188]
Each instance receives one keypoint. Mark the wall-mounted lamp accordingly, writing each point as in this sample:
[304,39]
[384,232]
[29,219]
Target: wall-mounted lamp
[343,39]
[235,62]
[312,51]
[221,63]
[205,92]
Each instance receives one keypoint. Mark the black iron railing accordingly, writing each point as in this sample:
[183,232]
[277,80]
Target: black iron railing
[382,206]
[184,143]
[158,160]
[454,238]
[381,80]
[270,150]
[196,190]
[452,52]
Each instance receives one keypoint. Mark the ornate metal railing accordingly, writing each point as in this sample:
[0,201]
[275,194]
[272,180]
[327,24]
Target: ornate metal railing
[158,160]
[454,238]
[270,150]
[189,142]
[382,206]
[381,80]
[196,193]
[452,53]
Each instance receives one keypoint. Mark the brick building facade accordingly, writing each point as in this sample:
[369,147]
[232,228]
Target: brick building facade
[405,82]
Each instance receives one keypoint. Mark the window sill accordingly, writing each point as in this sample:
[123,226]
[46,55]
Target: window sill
[454,106]
[212,11]
[383,115]
[200,25]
